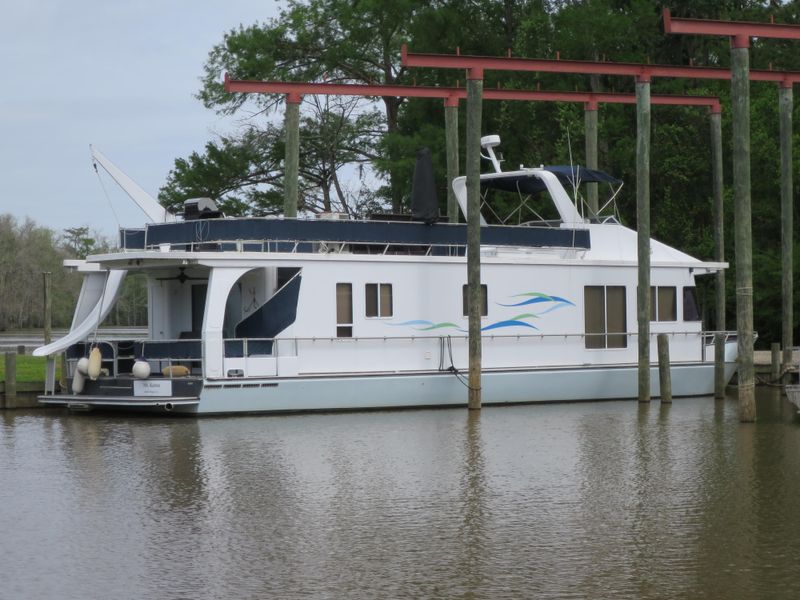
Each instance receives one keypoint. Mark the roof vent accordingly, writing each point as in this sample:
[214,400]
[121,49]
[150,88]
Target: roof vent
[200,208]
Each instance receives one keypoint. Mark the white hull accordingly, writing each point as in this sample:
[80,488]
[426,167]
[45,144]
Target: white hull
[445,389]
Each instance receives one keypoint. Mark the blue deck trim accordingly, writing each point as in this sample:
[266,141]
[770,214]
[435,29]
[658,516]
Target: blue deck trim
[217,234]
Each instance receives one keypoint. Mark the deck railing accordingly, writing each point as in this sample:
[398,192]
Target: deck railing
[118,356]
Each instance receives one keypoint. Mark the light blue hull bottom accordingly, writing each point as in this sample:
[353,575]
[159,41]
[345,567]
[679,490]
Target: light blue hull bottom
[445,389]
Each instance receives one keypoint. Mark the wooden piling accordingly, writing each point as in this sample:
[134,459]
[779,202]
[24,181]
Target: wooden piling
[740,100]
[292,161]
[590,120]
[786,105]
[473,139]
[719,365]
[11,380]
[451,141]
[719,217]
[775,363]
[643,233]
[664,376]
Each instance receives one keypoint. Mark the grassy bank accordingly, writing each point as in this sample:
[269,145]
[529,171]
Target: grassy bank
[29,368]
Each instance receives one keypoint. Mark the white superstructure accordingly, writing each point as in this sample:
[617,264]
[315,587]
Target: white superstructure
[282,314]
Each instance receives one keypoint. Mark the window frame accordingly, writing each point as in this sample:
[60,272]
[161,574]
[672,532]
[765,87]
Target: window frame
[655,304]
[381,310]
[606,339]
[343,328]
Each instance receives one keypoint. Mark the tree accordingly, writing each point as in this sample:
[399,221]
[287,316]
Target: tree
[332,40]
[26,250]
[78,242]
[337,40]
[243,172]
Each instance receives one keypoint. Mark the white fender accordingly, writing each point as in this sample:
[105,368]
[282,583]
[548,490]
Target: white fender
[78,382]
[95,360]
[83,366]
[141,369]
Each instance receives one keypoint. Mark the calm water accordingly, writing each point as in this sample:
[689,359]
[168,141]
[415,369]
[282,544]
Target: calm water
[606,500]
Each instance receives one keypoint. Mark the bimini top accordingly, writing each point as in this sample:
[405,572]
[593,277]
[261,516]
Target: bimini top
[570,175]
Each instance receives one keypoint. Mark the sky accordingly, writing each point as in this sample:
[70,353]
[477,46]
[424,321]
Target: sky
[120,75]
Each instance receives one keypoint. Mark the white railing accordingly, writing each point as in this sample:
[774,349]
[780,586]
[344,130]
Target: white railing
[266,357]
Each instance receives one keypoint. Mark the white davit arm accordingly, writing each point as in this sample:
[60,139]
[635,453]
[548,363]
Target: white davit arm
[148,204]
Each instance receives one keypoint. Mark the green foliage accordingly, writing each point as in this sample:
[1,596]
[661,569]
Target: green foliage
[30,369]
[78,242]
[340,40]
[26,251]
[239,173]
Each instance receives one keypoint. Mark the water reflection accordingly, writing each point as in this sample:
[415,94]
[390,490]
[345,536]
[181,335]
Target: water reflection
[613,499]
[474,495]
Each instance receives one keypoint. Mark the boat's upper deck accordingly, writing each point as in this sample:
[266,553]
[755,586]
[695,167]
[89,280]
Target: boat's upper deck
[305,235]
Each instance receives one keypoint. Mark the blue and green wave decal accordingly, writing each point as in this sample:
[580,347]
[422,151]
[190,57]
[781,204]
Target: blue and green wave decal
[420,325]
[550,303]
[539,298]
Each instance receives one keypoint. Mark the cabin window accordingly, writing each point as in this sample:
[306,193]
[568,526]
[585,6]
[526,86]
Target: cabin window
[344,310]
[663,304]
[604,316]
[284,274]
[465,300]
[378,299]
[691,312]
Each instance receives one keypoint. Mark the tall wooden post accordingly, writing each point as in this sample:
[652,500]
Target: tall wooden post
[451,141]
[590,120]
[719,216]
[643,232]
[719,252]
[473,166]
[786,103]
[292,161]
[48,307]
[740,99]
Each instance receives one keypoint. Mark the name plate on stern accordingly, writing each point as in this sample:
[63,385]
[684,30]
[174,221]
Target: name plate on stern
[152,387]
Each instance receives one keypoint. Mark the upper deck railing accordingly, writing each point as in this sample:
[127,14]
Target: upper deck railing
[300,235]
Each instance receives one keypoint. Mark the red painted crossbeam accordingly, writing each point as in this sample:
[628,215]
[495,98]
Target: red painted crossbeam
[642,71]
[741,31]
[451,95]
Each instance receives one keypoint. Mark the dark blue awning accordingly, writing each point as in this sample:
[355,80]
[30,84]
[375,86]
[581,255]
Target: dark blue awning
[568,174]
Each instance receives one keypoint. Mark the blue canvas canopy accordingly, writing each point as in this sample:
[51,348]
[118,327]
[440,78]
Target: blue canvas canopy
[568,174]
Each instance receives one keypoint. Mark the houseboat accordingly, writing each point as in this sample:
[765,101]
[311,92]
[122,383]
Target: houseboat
[327,313]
